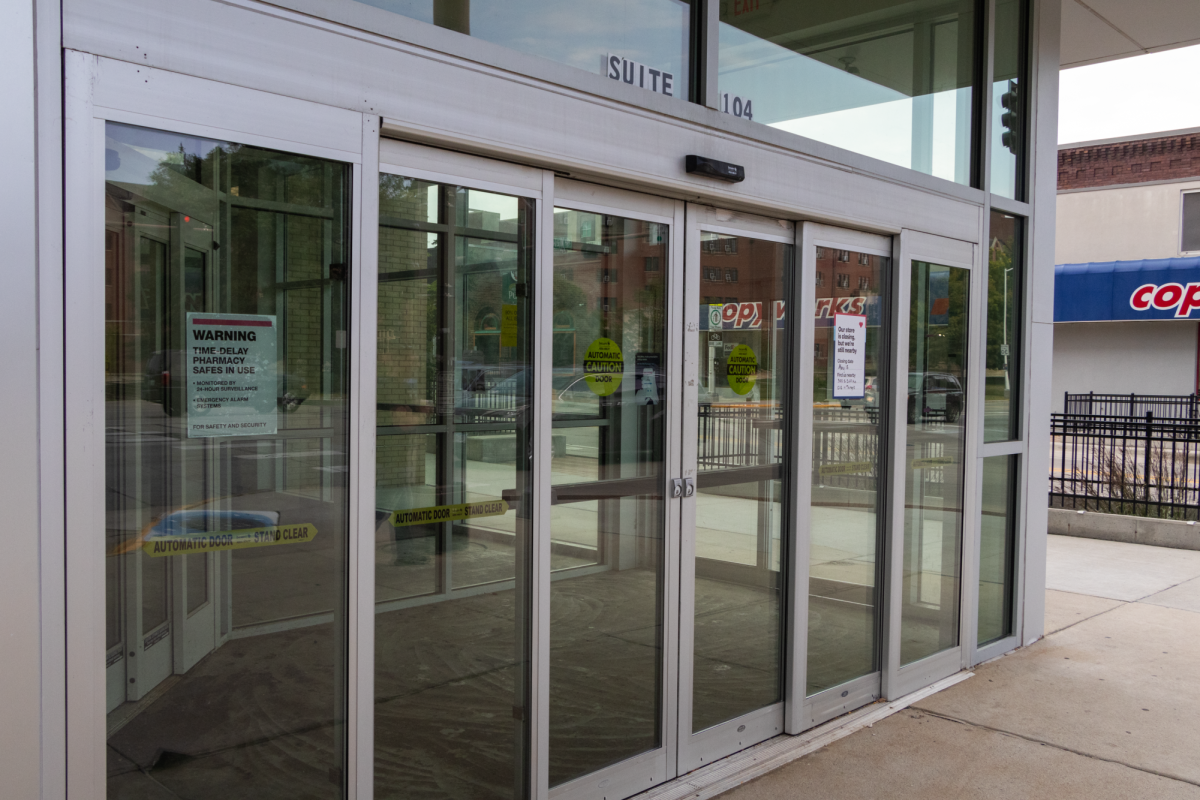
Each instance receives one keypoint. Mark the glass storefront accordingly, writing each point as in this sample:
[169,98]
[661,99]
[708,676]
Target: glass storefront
[892,80]
[560,589]
[935,449]
[608,392]
[226,390]
[740,561]
[997,548]
[228,460]
[1003,364]
[848,465]
[453,490]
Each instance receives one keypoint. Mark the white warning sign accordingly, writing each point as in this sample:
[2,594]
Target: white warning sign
[849,362]
[231,380]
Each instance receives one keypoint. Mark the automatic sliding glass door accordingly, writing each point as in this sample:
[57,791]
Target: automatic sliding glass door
[613,523]
[735,536]
[608,476]
[932,410]
[453,490]
[934,458]
[850,275]
[690,530]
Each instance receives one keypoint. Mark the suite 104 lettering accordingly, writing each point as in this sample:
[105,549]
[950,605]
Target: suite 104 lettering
[637,74]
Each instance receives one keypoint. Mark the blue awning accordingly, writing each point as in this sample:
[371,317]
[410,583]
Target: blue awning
[1163,288]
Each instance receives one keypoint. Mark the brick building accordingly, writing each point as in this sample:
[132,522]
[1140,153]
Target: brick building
[1117,162]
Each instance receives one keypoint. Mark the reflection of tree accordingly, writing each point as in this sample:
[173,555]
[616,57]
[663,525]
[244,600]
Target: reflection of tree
[569,297]
[956,331]
[182,163]
[652,308]
[944,344]
[1000,261]
[395,190]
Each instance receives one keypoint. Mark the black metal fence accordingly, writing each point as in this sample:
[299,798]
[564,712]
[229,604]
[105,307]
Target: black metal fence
[1118,464]
[739,436]
[845,442]
[846,448]
[1162,406]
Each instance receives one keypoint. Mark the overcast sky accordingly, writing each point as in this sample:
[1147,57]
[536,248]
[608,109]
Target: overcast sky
[1143,94]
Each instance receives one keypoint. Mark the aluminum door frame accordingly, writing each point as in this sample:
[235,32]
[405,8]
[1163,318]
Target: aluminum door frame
[899,680]
[637,773]
[99,90]
[805,711]
[704,747]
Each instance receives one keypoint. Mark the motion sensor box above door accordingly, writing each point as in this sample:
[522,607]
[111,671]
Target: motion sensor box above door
[721,170]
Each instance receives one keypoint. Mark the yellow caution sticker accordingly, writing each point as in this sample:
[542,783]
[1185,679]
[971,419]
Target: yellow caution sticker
[508,326]
[940,461]
[741,368]
[461,511]
[846,468]
[604,366]
[182,544]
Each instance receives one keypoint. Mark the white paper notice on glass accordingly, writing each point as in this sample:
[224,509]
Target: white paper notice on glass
[231,375]
[849,355]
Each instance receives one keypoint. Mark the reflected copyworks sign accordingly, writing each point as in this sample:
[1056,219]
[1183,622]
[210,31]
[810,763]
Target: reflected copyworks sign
[748,316]
[849,363]
[756,315]
[231,378]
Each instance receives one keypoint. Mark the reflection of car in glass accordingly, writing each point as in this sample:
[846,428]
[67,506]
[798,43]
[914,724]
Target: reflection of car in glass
[576,388]
[510,382]
[477,378]
[163,382]
[870,397]
[935,395]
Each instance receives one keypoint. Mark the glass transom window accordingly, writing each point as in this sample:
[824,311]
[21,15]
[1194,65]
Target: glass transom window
[888,79]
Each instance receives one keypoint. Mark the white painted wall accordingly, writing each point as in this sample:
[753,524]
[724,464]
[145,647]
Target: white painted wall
[1157,357]
[1125,224]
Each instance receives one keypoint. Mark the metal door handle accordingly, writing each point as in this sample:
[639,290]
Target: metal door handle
[689,487]
[676,487]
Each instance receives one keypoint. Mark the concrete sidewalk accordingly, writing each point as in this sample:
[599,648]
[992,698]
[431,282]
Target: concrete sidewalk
[1106,706]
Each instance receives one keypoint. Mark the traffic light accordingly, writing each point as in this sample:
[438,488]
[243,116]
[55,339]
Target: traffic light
[1011,102]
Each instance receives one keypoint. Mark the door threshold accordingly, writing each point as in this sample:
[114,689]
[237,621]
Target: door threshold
[125,713]
[753,762]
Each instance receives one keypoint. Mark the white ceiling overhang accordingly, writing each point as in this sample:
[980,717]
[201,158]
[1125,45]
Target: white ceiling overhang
[1105,30]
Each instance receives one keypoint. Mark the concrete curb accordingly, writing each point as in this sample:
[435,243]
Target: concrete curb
[1120,528]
